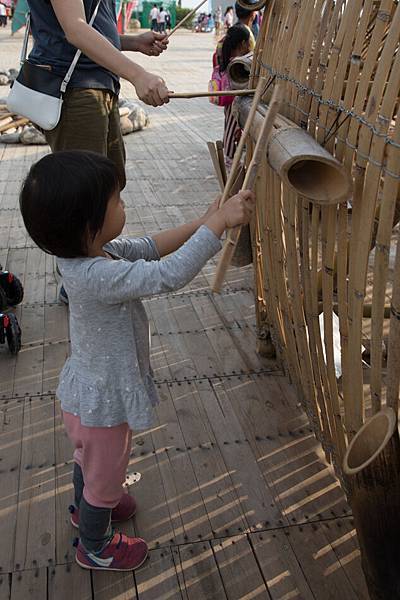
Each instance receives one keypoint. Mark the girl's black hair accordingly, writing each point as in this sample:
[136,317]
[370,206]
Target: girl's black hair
[236,35]
[64,198]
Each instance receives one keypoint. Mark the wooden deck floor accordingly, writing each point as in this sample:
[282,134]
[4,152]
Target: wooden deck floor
[234,496]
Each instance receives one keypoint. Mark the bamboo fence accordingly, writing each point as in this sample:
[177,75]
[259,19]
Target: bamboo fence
[328,273]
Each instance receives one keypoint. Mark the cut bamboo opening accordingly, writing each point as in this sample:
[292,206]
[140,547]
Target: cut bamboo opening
[372,468]
[239,71]
[302,163]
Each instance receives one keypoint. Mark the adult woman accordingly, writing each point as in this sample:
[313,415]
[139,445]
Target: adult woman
[90,117]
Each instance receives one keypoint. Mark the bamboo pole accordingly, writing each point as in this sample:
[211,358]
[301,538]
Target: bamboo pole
[189,95]
[190,14]
[372,469]
[249,182]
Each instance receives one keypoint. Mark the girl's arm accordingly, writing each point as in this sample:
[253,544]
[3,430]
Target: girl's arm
[171,239]
[71,16]
[216,219]
[120,281]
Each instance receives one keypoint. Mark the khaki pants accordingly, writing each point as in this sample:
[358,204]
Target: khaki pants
[90,121]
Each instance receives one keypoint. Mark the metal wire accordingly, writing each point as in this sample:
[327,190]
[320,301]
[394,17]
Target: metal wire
[304,89]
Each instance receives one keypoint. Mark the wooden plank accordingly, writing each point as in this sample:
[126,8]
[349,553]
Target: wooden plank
[67,582]
[317,559]
[256,499]
[288,454]
[158,577]
[30,584]
[5,588]
[342,536]
[65,533]
[188,431]
[113,585]
[35,530]
[153,520]
[28,372]
[280,567]
[56,345]
[238,568]
[11,419]
[180,483]
[200,572]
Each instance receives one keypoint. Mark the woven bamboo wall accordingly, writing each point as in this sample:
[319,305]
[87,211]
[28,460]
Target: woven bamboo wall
[340,62]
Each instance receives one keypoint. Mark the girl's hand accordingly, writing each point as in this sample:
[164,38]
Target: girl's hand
[211,210]
[151,89]
[238,209]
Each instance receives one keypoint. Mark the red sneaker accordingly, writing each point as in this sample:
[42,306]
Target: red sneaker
[122,553]
[125,509]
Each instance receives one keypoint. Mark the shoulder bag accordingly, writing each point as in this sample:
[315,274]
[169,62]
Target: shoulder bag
[37,93]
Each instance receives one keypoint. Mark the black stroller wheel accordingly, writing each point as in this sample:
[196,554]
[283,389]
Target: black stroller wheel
[15,292]
[13,334]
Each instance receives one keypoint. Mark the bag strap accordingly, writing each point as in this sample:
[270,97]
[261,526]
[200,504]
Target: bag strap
[76,56]
[26,37]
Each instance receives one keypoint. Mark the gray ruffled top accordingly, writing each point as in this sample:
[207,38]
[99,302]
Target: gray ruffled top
[107,379]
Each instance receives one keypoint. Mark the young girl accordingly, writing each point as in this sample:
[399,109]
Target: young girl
[71,206]
[235,43]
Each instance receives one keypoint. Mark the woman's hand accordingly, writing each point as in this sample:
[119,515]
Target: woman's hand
[151,89]
[151,43]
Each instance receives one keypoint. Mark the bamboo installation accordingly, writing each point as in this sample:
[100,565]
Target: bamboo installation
[328,264]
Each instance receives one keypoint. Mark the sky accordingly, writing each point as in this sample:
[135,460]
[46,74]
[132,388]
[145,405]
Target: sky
[193,3]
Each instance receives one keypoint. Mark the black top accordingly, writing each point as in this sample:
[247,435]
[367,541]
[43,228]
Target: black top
[51,47]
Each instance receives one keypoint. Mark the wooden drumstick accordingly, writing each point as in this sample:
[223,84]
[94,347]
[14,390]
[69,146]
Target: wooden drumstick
[248,184]
[208,94]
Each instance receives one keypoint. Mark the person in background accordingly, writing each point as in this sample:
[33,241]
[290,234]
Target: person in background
[255,27]
[235,43]
[161,20]
[3,15]
[154,18]
[218,22]
[246,17]
[210,23]
[167,21]
[228,18]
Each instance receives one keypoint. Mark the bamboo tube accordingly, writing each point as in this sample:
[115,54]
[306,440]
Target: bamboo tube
[188,16]
[372,469]
[248,183]
[301,163]
[189,95]
[239,71]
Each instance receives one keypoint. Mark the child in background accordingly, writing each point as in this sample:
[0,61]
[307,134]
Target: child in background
[235,43]
[71,206]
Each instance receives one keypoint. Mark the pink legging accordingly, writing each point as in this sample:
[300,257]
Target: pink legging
[103,455]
